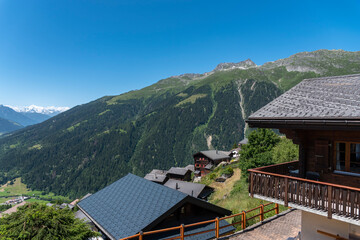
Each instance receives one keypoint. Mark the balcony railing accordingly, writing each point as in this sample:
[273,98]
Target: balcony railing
[274,183]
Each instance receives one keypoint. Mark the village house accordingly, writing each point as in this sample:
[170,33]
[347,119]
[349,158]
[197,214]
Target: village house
[133,204]
[322,116]
[157,176]
[179,173]
[196,190]
[205,161]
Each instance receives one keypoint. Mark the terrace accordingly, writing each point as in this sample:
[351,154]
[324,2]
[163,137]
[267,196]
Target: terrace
[279,184]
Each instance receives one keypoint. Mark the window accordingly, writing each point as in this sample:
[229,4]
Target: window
[347,157]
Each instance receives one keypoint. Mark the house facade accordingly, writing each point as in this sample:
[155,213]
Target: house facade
[205,161]
[322,116]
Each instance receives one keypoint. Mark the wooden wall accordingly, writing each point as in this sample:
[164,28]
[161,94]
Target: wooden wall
[317,152]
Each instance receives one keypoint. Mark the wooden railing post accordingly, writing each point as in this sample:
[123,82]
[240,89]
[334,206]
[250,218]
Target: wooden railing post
[251,184]
[261,212]
[141,235]
[276,208]
[286,192]
[217,228]
[329,202]
[182,231]
[243,220]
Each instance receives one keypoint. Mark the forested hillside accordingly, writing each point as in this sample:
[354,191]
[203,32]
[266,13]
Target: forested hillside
[92,145]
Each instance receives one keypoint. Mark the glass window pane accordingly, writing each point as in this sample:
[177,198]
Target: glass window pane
[355,157]
[340,156]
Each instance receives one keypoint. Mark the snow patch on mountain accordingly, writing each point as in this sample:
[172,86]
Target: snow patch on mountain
[51,110]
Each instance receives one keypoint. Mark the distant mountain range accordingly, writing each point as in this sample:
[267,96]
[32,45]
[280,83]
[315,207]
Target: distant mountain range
[14,118]
[89,146]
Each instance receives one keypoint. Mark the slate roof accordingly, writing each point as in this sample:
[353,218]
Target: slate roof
[317,98]
[214,154]
[133,204]
[178,171]
[191,167]
[159,178]
[189,188]
[244,141]
[158,171]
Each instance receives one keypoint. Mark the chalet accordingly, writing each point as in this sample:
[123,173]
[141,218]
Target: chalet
[157,176]
[133,204]
[205,160]
[196,190]
[322,116]
[179,173]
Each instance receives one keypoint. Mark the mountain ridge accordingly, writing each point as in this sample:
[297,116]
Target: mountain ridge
[159,126]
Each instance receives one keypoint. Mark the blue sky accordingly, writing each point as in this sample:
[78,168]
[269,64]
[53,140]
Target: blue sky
[70,52]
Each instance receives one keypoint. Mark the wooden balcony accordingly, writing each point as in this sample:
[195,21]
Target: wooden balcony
[274,183]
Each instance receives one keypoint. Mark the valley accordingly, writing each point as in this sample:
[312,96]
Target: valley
[92,145]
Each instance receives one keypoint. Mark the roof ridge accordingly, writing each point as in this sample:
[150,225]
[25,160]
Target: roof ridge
[333,77]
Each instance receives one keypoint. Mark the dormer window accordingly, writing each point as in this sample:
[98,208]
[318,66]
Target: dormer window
[347,157]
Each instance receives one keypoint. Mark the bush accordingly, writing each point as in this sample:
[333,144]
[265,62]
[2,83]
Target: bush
[43,222]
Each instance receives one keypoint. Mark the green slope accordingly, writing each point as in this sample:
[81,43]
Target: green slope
[160,126]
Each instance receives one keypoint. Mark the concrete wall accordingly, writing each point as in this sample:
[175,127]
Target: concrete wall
[311,222]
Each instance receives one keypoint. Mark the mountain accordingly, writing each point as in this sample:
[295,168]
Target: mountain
[8,126]
[19,117]
[49,111]
[160,126]
[11,115]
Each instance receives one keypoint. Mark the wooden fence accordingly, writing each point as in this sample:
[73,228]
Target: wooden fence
[255,213]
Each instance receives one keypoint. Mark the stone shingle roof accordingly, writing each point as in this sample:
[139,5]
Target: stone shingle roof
[133,204]
[159,178]
[318,98]
[178,171]
[189,188]
[214,154]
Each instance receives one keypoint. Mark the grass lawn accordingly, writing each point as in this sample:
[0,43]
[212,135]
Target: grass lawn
[31,200]
[233,194]
[19,188]
[4,199]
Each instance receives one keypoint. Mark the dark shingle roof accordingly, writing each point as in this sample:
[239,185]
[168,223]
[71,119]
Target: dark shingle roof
[133,204]
[244,141]
[129,205]
[214,154]
[178,171]
[317,98]
[159,178]
[191,167]
[189,188]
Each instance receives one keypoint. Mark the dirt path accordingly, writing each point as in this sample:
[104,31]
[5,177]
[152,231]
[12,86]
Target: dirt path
[223,189]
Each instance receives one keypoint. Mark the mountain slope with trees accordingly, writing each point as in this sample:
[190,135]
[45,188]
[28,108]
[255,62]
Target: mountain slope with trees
[91,145]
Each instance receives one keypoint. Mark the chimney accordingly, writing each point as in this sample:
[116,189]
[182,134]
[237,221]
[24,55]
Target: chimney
[216,151]
[192,193]
[155,176]
[177,186]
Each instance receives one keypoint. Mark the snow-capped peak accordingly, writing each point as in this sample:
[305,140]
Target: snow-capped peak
[51,110]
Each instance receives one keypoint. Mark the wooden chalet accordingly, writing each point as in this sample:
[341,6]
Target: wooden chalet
[133,204]
[322,116]
[205,161]
[178,173]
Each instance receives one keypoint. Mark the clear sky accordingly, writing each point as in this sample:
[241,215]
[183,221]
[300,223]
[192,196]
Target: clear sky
[69,52]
